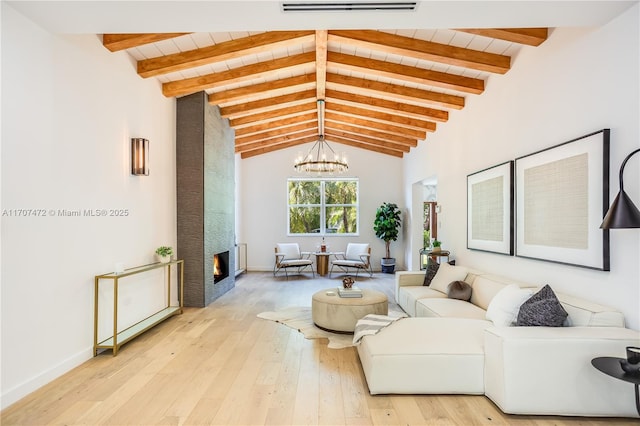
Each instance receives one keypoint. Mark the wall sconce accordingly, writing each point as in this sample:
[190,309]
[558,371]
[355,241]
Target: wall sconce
[139,157]
[622,213]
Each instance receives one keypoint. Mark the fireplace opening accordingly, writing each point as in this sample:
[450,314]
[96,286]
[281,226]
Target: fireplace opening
[220,266]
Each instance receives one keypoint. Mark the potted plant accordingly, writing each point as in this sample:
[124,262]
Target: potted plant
[164,254]
[436,245]
[386,226]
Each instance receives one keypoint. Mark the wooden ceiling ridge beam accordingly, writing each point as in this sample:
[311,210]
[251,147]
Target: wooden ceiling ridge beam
[117,42]
[526,36]
[383,127]
[263,117]
[303,128]
[384,105]
[261,89]
[236,75]
[221,52]
[397,91]
[400,120]
[423,50]
[406,73]
[267,104]
[271,125]
[321,62]
[377,147]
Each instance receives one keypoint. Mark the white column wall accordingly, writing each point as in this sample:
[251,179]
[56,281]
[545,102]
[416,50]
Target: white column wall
[69,109]
[579,81]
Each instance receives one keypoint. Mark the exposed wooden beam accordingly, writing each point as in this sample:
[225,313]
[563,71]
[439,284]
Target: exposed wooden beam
[304,129]
[117,42]
[528,36]
[262,89]
[410,122]
[262,105]
[276,141]
[271,148]
[321,62]
[245,131]
[375,147]
[371,134]
[406,73]
[221,52]
[400,92]
[237,75]
[263,117]
[384,105]
[423,50]
[369,124]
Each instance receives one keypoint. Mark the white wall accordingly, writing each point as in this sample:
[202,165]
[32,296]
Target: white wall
[69,109]
[577,82]
[264,203]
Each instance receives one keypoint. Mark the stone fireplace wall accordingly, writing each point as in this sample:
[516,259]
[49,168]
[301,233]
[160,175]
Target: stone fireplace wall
[205,179]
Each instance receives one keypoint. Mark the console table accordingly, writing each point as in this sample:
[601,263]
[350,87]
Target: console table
[119,338]
[611,367]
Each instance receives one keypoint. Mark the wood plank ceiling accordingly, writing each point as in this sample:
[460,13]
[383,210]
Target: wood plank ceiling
[383,91]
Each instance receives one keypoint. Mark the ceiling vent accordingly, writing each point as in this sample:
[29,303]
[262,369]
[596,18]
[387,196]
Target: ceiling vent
[349,6]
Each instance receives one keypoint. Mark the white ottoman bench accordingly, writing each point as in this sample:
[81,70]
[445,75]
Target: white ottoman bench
[340,314]
[425,356]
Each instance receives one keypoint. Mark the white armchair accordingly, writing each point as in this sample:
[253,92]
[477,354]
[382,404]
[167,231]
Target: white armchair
[357,256]
[288,255]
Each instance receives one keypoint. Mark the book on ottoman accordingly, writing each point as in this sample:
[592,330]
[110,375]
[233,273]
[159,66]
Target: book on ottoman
[349,292]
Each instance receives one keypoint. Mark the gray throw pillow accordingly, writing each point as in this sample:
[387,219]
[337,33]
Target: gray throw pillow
[459,290]
[432,268]
[542,309]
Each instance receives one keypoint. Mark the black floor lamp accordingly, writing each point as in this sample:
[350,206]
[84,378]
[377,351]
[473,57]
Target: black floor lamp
[622,213]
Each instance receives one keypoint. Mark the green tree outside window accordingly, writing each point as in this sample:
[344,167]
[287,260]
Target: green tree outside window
[323,206]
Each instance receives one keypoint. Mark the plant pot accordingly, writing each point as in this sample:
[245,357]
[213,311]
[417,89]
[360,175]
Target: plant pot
[436,249]
[163,259]
[388,265]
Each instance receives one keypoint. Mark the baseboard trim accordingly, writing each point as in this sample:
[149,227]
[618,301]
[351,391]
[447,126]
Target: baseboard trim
[18,392]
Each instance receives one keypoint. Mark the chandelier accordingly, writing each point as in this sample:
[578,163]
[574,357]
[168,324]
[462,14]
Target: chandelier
[321,158]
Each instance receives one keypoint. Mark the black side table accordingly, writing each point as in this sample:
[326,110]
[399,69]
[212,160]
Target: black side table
[611,367]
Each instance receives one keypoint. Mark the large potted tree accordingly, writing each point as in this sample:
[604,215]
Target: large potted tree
[387,226]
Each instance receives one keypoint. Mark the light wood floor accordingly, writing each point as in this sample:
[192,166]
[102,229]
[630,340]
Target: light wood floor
[222,365]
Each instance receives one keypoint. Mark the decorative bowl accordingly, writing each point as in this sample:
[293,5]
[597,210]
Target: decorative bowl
[628,368]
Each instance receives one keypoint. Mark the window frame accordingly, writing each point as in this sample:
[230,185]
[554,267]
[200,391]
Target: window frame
[323,206]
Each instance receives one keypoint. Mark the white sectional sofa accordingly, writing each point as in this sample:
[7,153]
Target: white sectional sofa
[448,346]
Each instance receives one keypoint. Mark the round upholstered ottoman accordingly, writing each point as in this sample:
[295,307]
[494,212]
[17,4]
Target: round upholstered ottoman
[340,314]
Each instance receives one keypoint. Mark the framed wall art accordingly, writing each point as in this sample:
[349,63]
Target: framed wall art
[490,209]
[562,194]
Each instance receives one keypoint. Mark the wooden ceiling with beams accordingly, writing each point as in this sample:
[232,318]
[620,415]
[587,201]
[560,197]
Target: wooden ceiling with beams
[384,91]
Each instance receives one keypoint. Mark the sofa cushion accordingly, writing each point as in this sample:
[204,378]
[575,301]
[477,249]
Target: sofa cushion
[445,275]
[484,290]
[504,307]
[584,313]
[407,297]
[425,356]
[432,269]
[459,290]
[542,309]
[448,308]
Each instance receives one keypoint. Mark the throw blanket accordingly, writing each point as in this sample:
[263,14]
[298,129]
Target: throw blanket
[371,324]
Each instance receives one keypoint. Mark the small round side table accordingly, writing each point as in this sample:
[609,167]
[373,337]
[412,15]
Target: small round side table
[611,367]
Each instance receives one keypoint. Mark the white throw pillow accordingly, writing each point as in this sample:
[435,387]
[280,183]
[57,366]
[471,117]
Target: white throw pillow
[446,275]
[504,307]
